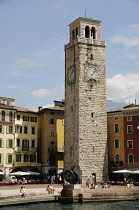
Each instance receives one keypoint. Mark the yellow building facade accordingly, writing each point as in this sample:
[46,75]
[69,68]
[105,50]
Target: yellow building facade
[26,140]
[51,134]
[116,156]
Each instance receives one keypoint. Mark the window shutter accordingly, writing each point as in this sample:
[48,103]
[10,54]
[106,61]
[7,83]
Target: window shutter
[2,143]
[2,158]
[13,158]
[55,121]
[7,129]
[13,145]
[13,129]
[3,128]
[7,158]
[49,121]
[7,143]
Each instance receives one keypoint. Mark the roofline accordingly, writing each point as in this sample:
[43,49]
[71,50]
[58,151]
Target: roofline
[7,98]
[85,18]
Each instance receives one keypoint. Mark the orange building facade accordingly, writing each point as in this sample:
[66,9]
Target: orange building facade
[116,154]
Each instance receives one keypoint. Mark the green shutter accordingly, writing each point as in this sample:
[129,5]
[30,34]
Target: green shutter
[13,143]
[7,143]
[2,158]
[7,129]
[7,158]
[2,143]
[13,158]
[3,128]
[13,129]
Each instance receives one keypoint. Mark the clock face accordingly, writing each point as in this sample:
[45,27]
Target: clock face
[71,75]
[92,73]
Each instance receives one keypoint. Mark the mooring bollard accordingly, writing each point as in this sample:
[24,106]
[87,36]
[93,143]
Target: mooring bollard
[80,199]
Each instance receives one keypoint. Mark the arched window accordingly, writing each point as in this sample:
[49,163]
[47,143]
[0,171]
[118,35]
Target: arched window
[116,128]
[87,32]
[117,158]
[130,159]
[93,33]
[76,35]
[116,143]
[3,115]
[73,34]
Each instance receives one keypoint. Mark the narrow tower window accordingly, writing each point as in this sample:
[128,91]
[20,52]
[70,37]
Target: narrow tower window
[93,33]
[91,57]
[87,32]
[76,35]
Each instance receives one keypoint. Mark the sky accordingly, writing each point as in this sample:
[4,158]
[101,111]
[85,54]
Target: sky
[32,38]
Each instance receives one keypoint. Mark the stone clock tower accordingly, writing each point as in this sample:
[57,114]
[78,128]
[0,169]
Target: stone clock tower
[85,100]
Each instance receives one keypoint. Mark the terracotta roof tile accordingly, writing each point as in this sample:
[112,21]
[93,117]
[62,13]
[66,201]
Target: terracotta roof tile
[21,109]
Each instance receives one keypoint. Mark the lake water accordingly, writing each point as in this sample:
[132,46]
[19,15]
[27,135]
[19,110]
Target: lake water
[85,206]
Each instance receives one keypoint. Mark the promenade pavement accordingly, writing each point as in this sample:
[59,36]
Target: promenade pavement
[9,195]
[40,189]
[33,189]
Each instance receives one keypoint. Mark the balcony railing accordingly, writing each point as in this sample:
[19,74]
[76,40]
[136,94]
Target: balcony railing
[55,149]
[30,149]
[116,164]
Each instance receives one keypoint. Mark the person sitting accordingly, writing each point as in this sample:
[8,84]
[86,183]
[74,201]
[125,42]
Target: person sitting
[92,186]
[107,185]
[50,189]
[23,193]
[24,189]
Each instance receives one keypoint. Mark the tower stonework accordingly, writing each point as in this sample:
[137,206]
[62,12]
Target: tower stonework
[85,100]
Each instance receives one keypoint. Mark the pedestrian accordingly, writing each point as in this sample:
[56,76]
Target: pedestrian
[87,182]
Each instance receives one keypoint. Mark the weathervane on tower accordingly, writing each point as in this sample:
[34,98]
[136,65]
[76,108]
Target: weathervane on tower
[85,11]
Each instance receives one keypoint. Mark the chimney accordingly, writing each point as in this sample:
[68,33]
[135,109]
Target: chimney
[39,108]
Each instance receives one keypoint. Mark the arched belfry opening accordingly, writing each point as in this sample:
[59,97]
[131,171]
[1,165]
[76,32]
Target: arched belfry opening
[87,32]
[93,33]
[76,35]
[73,34]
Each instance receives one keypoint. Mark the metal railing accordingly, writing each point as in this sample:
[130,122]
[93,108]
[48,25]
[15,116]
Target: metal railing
[55,149]
[116,164]
[23,149]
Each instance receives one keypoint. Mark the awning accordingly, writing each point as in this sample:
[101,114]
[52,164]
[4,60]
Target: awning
[135,172]
[19,173]
[124,171]
[1,172]
[33,173]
